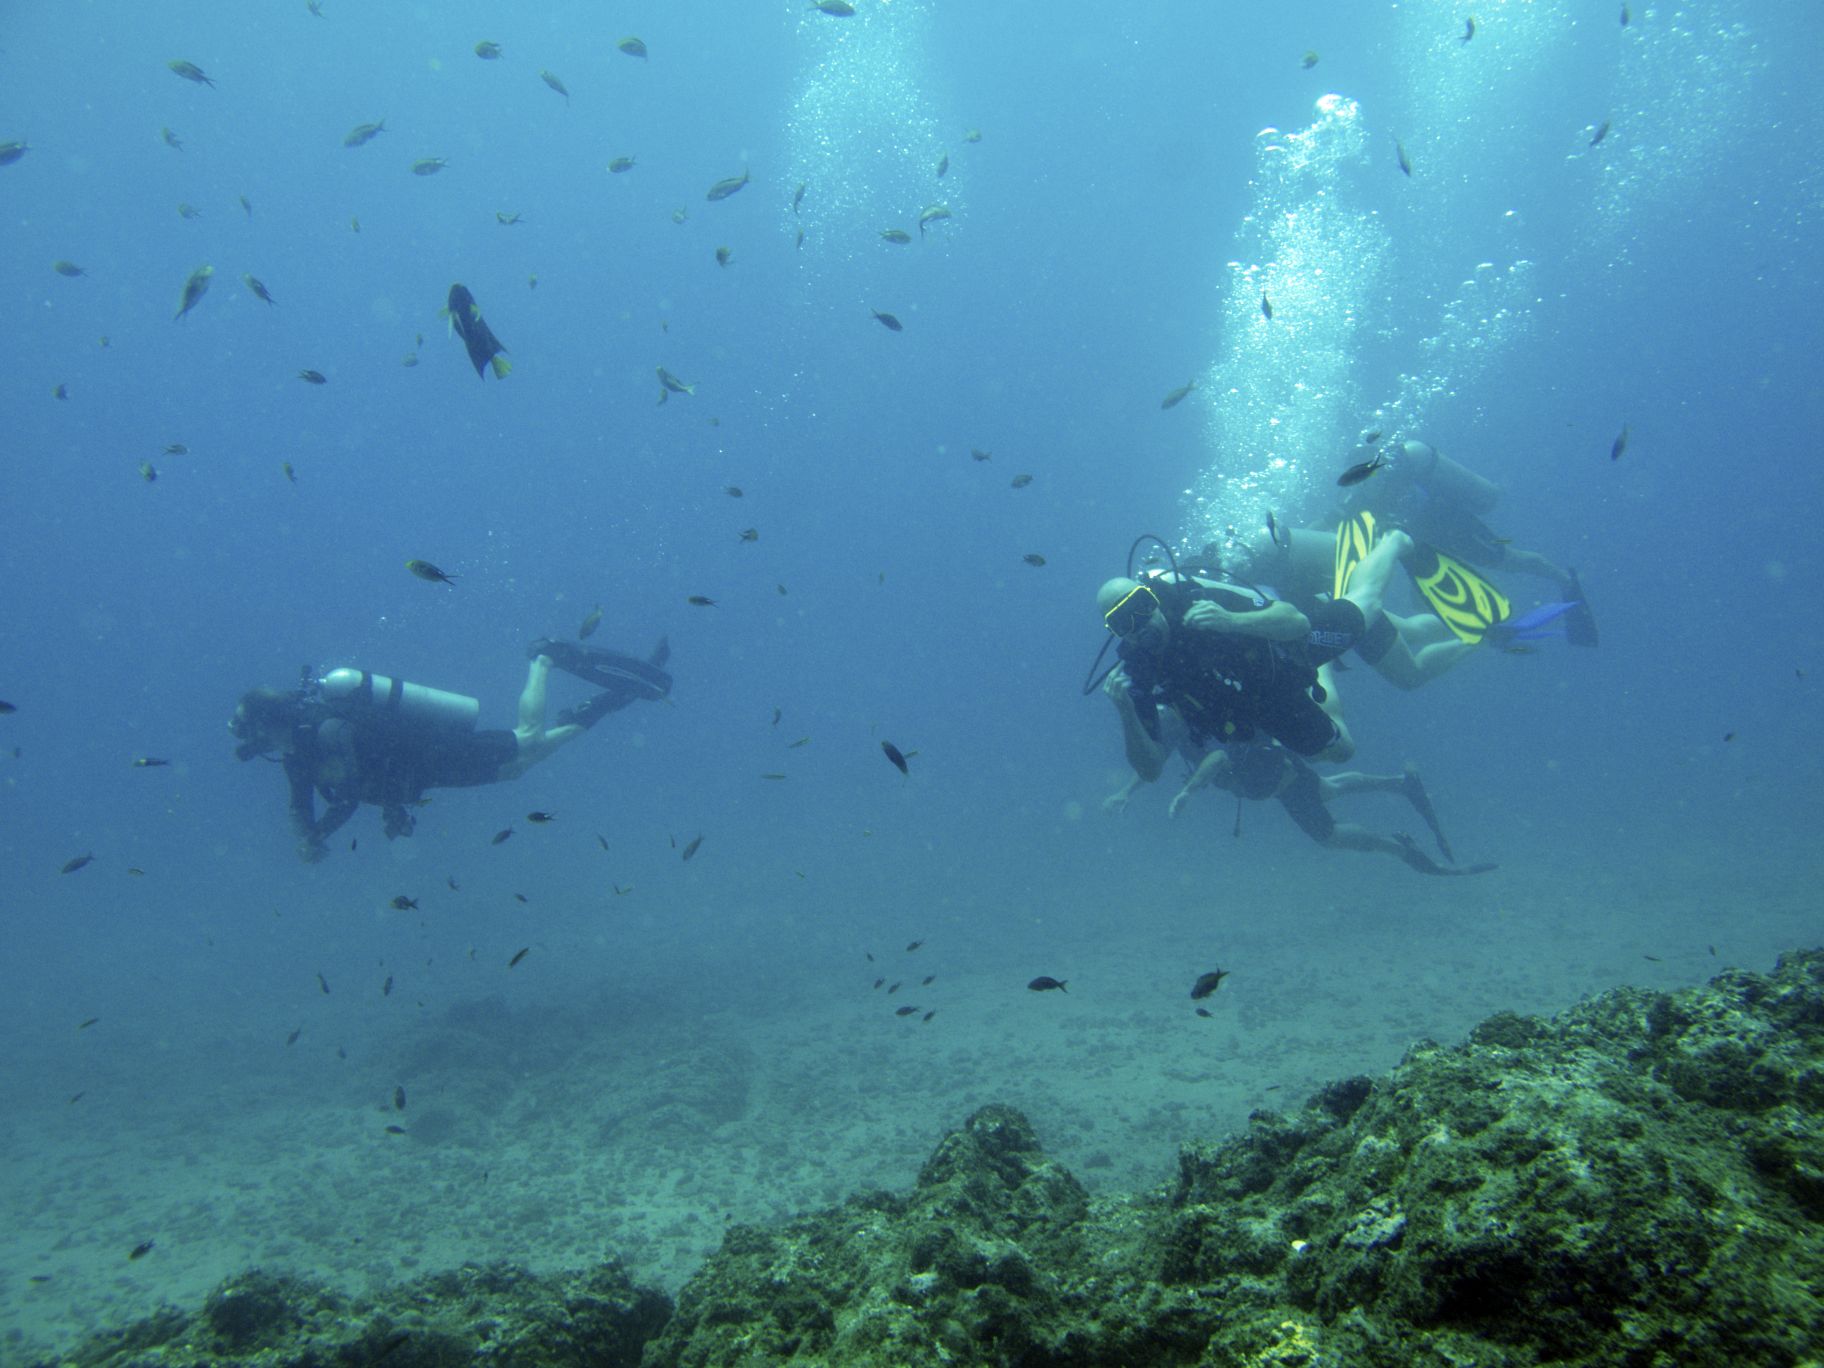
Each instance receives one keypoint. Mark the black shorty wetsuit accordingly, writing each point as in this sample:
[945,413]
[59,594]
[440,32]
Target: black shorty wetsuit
[1261,772]
[1228,687]
[352,763]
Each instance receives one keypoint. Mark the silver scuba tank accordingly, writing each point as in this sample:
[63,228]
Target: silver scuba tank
[356,693]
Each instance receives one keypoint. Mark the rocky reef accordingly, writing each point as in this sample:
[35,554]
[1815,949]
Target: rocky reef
[1637,1182]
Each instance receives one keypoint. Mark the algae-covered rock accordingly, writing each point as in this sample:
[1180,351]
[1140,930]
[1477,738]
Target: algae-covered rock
[1637,1184]
[495,1315]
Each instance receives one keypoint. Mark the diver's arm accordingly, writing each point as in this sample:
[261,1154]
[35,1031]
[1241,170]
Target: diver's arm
[298,773]
[1278,621]
[1146,755]
[333,817]
[1212,769]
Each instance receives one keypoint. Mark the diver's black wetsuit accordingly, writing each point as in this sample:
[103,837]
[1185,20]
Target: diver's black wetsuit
[1227,687]
[385,764]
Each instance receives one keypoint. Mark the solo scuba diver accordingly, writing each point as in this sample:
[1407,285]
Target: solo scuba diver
[361,738]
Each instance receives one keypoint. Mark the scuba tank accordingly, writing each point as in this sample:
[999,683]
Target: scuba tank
[357,694]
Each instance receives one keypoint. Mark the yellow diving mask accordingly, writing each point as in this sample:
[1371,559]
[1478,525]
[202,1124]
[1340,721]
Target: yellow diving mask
[1133,612]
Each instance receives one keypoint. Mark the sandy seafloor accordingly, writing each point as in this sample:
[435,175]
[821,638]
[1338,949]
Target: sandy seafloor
[550,1135]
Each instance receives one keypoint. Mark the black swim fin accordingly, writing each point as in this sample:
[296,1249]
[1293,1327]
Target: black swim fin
[1414,789]
[1580,622]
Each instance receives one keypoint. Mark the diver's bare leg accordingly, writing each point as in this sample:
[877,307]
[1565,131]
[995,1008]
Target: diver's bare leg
[1368,584]
[1343,746]
[536,743]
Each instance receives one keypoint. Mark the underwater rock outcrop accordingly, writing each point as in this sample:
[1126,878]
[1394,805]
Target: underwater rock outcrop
[1637,1182]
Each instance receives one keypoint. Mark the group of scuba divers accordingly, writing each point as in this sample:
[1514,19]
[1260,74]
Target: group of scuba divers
[1241,681]
[1238,681]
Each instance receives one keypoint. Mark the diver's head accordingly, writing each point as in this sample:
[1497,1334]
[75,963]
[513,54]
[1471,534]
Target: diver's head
[263,721]
[1132,612]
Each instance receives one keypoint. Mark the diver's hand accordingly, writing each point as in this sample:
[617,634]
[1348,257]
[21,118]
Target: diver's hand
[311,850]
[1117,801]
[1180,798]
[1119,688]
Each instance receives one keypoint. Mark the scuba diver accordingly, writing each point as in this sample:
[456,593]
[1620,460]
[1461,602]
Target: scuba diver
[360,738]
[1261,770]
[1441,504]
[1233,663]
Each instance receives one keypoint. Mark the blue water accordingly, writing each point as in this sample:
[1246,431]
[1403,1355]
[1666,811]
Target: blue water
[1516,301]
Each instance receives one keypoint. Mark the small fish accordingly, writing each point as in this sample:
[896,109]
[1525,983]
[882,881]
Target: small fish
[927,980]
[386,989]
[932,213]
[797,195]
[777,714]
[409,360]
[551,80]
[977,454]
[508,220]
[313,377]
[781,590]
[148,472]
[698,601]
[1033,558]
[71,866]
[899,237]
[772,776]
[750,534]
[1360,471]
[1044,983]
[354,223]
[1620,444]
[290,473]
[893,753]
[426,571]
[292,1039]
[541,817]
[801,741]
[943,165]
[191,72]
[501,835]
[620,892]
[1178,396]
[323,983]
[1624,16]
[1469,29]
[189,211]
[426,166]
[670,384]
[1602,131]
[590,623]
[1021,481]
[246,205]
[194,289]
[1204,1012]
[1310,60]
[139,1251]
[488,52]
[691,849]
[1370,437]
[83,1026]
[1399,153]
[620,164]
[361,134]
[724,256]
[401,903]
[633,47]
[836,9]
[913,945]
[928,1015]
[972,135]
[1207,984]
[6,708]
[518,956]
[1273,533]
[878,981]
[60,391]
[10,152]
[1728,736]
[1266,307]
[399,1098]
[68,268]
[259,289]
[910,1009]
[887,321]
[725,187]
[315,7]
[601,840]
[395,1130]
[733,491]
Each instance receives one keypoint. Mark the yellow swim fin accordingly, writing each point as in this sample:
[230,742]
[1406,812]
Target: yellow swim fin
[1355,538]
[1468,604]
